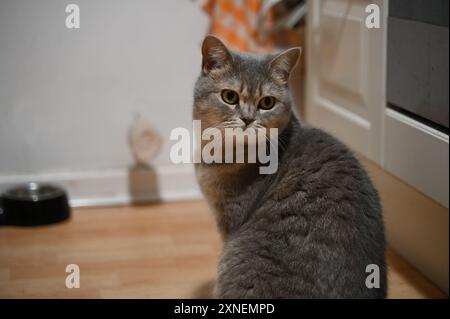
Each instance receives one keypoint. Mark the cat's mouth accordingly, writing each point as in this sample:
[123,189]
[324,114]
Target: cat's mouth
[247,133]
[240,124]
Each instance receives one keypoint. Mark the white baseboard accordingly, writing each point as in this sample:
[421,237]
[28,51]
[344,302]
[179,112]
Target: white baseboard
[418,154]
[118,186]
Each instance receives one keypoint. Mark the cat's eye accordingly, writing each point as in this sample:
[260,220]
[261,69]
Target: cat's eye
[230,97]
[266,103]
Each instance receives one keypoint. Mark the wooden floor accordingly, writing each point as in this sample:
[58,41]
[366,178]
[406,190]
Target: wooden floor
[158,251]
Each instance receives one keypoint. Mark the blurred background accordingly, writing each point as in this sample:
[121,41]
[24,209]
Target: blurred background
[91,109]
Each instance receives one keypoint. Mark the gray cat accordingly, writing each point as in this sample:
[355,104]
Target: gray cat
[310,229]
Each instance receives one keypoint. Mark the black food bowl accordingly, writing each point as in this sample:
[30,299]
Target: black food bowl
[34,204]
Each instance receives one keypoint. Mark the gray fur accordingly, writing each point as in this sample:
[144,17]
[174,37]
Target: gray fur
[307,231]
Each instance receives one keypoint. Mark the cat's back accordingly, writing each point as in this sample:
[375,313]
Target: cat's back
[318,165]
[326,192]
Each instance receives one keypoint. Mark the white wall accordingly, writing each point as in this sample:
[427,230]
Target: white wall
[68,97]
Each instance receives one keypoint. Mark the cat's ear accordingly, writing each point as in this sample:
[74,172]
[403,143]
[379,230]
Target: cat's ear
[215,54]
[282,65]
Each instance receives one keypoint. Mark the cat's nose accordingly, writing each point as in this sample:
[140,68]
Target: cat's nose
[247,120]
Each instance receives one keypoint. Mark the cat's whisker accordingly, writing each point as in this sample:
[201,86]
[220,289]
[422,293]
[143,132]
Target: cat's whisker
[283,147]
[281,143]
[263,130]
[229,124]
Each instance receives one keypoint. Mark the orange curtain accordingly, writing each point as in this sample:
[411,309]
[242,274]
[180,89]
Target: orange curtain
[235,22]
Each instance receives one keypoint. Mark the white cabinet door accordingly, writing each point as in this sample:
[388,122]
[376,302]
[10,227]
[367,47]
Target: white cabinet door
[345,65]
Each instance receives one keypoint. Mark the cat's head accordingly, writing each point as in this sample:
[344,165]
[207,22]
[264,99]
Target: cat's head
[241,90]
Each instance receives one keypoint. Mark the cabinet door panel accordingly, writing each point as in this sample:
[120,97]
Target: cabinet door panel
[346,73]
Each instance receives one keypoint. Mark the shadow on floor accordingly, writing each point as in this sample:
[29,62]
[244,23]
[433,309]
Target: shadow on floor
[143,184]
